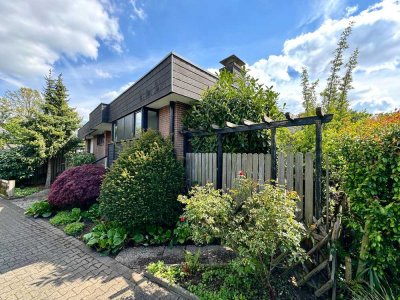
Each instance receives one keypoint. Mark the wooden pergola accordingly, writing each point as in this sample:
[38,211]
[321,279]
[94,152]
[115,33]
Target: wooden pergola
[248,125]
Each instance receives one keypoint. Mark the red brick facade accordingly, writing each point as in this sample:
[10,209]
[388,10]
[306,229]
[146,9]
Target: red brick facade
[163,121]
[180,109]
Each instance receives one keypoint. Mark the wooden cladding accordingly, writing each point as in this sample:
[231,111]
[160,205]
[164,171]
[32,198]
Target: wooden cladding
[295,171]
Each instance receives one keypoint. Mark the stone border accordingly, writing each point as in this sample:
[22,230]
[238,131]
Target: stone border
[7,188]
[172,287]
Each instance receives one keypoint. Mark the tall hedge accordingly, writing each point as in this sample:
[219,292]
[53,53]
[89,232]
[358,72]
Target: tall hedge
[143,184]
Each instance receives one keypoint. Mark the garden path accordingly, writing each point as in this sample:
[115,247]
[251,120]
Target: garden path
[38,261]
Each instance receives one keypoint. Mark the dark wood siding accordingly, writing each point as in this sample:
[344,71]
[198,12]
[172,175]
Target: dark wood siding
[154,85]
[189,80]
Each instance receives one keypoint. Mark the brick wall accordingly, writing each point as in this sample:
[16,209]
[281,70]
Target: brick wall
[163,121]
[180,110]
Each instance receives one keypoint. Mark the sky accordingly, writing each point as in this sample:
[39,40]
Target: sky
[102,46]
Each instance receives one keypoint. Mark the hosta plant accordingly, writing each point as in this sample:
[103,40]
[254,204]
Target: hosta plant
[40,209]
[66,217]
[106,238]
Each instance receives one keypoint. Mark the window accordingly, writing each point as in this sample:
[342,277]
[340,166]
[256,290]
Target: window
[138,123]
[128,129]
[152,119]
[100,140]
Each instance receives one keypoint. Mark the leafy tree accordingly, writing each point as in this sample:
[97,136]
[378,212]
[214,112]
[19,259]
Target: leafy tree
[233,98]
[57,123]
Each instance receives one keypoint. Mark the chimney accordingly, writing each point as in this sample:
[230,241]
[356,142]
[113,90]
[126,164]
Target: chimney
[232,64]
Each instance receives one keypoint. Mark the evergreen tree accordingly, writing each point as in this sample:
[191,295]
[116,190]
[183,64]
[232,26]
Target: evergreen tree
[345,85]
[330,93]
[57,123]
[309,94]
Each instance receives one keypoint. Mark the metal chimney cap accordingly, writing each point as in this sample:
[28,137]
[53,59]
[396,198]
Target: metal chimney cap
[232,59]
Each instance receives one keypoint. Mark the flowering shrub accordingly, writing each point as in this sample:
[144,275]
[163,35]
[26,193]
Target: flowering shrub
[256,223]
[76,187]
[143,184]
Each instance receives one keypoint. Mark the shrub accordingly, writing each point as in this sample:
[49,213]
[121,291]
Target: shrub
[161,270]
[257,224]
[40,209]
[75,228]
[143,184]
[77,187]
[369,156]
[75,159]
[106,238]
[66,217]
[17,164]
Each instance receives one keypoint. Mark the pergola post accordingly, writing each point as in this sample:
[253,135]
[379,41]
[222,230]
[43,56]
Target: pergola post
[219,160]
[273,155]
[318,169]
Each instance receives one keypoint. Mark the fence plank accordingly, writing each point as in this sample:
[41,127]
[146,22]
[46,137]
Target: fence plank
[249,165]
[309,189]
[229,170]
[255,166]
[198,168]
[188,170]
[210,168]
[244,163]
[268,167]
[281,168]
[203,168]
[261,160]
[233,170]
[289,172]
[224,171]
[299,181]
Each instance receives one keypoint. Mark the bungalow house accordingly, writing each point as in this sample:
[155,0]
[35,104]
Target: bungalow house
[157,100]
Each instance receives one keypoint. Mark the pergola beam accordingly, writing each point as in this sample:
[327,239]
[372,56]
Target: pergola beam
[260,126]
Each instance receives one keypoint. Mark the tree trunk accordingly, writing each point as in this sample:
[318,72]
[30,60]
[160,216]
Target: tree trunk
[48,174]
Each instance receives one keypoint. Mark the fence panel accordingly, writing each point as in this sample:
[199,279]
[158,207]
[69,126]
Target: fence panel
[295,172]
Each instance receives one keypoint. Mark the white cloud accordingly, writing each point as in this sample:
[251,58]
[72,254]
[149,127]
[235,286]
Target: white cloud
[102,74]
[350,10]
[111,95]
[377,35]
[138,11]
[35,34]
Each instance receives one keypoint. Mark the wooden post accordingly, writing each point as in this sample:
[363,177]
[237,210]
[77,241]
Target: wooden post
[318,169]
[219,160]
[273,155]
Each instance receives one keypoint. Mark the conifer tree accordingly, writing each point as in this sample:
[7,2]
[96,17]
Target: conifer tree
[330,93]
[309,94]
[345,84]
[57,123]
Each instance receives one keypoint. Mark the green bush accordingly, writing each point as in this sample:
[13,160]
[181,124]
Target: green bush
[257,224]
[74,228]
[161,270]
[17,163]
[66,217]
[106,238]
[369,156]
[40,209]
[152,235]
[143,184]
[75,159]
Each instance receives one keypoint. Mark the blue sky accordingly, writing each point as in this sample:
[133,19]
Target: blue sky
[102,46]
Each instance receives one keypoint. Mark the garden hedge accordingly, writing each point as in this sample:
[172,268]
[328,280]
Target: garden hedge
[143,184]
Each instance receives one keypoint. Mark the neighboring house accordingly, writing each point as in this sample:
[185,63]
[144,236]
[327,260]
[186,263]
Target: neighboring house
[157,100]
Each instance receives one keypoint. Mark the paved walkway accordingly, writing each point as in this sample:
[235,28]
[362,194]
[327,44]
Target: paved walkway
[38,261]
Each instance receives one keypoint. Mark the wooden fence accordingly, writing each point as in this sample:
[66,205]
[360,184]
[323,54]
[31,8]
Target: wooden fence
[294,171]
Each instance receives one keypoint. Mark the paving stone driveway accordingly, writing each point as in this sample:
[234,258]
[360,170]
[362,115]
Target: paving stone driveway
[38,261]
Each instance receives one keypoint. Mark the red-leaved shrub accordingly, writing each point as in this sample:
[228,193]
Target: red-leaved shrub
[76,187]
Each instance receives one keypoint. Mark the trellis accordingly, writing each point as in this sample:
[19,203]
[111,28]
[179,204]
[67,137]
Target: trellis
[269,124]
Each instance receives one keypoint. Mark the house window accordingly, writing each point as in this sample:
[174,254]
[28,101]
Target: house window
[138,123]
[128,127]
[100,140]
[152,119]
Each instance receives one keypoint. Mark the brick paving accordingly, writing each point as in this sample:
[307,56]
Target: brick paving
[38,261]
